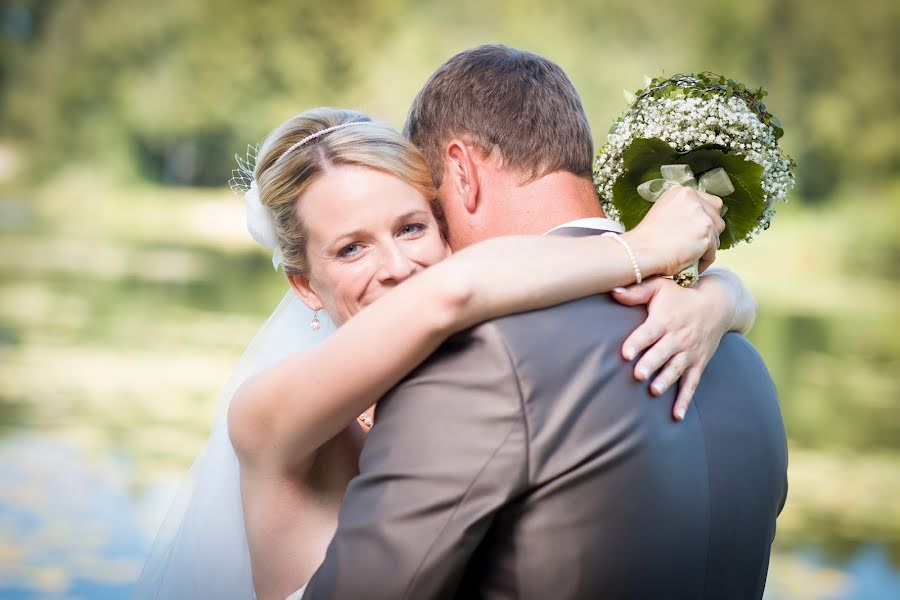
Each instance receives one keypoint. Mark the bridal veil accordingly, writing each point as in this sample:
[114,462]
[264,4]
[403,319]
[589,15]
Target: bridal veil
[201,548]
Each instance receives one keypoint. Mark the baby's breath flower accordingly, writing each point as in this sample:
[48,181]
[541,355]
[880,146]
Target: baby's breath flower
[720,117]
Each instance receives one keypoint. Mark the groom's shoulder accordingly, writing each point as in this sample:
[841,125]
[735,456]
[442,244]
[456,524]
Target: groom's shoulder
[549,339]
[596,325]
[735,351]
[572,326]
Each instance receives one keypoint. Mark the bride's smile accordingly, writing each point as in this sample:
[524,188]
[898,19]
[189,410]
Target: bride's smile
[367,232]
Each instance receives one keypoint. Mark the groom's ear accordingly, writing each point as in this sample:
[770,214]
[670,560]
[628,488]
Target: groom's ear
[462,174]
[305,292]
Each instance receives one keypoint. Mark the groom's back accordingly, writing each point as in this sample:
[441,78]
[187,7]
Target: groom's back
[623,501]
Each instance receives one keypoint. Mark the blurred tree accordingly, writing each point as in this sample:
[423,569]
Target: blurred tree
[169,90]
[829,70]
[175,87]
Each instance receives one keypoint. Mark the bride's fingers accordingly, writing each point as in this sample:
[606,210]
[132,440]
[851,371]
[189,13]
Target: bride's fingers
[670,374]
[646,334]
[713,206]
[689,383]
[658,354]
[638,293]
[709,257]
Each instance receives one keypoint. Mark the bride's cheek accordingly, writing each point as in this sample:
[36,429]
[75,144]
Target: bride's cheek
[435,250]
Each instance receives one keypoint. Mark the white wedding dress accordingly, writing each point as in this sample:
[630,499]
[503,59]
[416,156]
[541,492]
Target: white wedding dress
[201,551]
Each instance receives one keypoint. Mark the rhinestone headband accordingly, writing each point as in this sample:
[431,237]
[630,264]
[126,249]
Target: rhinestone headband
[320,133]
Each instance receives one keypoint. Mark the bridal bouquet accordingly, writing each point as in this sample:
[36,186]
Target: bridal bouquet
[702,131]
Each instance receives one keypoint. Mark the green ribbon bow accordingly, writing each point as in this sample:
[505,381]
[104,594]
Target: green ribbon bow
[714,182]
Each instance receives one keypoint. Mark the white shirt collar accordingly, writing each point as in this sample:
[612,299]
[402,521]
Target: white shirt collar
[593,223]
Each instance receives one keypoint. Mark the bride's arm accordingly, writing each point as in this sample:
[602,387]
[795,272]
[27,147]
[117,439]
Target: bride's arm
[307,398]
[737,298]
[288,411]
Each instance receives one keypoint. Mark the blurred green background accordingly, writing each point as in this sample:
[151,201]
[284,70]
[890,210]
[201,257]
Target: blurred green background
[129,287]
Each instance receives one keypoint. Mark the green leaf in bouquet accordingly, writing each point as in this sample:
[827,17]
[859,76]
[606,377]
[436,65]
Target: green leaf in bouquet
[746,203]
[775,122]
[643,159]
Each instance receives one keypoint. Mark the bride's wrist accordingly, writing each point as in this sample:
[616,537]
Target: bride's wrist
[724,288]
[645,254]
[717,300]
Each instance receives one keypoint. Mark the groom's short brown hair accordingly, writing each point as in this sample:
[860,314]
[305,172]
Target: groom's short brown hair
[516,102]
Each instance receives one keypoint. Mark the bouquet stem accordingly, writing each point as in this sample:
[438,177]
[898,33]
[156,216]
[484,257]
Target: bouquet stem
[689,276]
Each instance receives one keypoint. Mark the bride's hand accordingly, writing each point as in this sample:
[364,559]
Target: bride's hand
[682,226]
[682,332]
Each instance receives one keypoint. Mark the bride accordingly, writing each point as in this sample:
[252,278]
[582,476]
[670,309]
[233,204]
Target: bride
[349,209]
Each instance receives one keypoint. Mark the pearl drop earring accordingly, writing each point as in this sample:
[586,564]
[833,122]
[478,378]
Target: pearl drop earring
[315,324]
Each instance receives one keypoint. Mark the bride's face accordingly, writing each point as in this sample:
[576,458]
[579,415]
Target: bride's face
[367,232]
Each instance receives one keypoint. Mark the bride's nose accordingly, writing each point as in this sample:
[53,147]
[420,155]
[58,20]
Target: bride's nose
[395,265]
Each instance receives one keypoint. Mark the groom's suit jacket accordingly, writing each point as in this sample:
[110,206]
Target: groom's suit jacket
[523,460]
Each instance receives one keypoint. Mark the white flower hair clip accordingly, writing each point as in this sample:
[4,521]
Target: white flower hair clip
[260,221]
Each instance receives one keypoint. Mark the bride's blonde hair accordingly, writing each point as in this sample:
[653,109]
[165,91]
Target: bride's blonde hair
[285,170]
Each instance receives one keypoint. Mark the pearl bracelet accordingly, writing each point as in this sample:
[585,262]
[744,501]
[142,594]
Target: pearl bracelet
[627,246]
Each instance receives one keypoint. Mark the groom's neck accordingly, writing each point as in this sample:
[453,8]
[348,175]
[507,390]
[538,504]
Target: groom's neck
[547,202]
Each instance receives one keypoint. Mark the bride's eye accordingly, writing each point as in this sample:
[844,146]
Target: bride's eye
[412,228]
[349,250]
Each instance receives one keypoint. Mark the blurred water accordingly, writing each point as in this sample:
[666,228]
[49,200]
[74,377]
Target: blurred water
[72,525]
[867,575]
[76,525]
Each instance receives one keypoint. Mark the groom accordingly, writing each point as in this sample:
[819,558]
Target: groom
[523,460]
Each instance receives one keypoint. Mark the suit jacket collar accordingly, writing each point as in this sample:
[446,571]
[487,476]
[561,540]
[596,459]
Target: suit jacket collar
[585,227]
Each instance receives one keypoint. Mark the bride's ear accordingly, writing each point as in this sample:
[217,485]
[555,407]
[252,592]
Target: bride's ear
[461,174]
[304,291]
